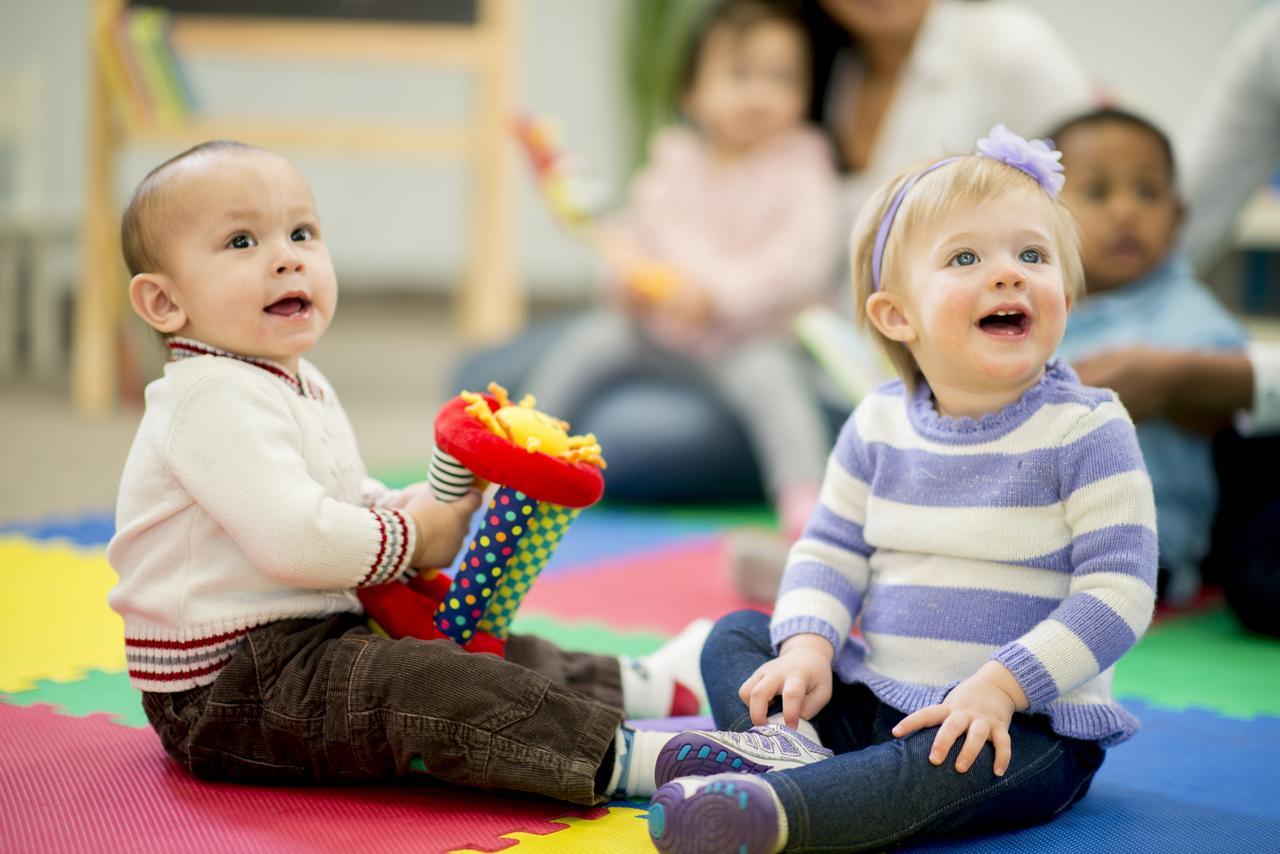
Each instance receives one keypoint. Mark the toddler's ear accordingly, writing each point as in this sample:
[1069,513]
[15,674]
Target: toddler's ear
[886,314]
[150,295]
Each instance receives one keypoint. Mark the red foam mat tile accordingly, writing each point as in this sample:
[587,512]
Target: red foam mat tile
[89,785]
[662,591]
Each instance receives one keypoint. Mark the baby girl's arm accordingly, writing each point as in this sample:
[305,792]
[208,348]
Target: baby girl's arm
[822,590]
[980,709]
[1110,510]
[801,674]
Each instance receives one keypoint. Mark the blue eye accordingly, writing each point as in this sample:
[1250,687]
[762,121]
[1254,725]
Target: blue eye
[300,234]
[1030,256]
[241,241]
[964,259]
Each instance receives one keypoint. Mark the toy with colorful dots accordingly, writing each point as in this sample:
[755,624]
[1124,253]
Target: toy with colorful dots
[544,478]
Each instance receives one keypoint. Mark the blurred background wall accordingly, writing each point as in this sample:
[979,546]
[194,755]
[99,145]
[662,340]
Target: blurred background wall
[398,226]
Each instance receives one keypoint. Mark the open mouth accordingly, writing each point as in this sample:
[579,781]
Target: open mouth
[289,307]
[1008,323]
[1126,245]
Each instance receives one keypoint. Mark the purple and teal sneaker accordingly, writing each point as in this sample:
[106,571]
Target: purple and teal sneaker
[763,748]
[729,813]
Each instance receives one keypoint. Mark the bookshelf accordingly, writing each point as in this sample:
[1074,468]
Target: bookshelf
[489,303]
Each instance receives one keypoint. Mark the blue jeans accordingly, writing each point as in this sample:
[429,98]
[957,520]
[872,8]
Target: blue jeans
[880,791]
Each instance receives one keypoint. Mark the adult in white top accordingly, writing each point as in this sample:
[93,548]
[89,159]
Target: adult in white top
[1232,145]
[904,81]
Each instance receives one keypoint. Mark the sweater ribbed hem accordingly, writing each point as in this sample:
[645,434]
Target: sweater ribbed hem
[1037,683]
[1108,724]
[165,660]
[780,631]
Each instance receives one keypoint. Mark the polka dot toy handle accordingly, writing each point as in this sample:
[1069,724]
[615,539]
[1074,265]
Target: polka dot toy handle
[547,525]
[484,562]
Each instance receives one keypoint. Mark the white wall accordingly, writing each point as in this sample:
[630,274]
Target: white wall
[395,225]
[1150,55]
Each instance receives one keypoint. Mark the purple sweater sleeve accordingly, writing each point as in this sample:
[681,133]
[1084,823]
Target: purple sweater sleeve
[1111,512]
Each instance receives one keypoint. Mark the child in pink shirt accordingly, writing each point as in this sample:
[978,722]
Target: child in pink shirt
[736,214]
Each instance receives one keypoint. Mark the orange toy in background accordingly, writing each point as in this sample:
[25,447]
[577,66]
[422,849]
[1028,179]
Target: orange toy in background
[567,194]
[545,476]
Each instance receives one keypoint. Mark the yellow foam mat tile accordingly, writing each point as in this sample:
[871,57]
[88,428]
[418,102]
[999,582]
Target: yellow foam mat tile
[622,831]
[54,619]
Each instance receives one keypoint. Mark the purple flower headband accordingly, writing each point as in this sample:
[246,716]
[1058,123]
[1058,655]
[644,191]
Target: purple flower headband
[1036,157]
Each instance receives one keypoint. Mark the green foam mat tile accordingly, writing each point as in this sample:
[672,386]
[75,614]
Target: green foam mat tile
[401,476]
[99,692]
[587,637]
[1205,661]
[719,515]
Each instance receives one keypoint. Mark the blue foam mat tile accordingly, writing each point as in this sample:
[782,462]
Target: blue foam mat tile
[595,534]
[1189,781]
[92,528]
[613,535]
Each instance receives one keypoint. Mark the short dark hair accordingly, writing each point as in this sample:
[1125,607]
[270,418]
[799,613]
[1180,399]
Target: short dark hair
[1117,115]
[738,16]
[138,238]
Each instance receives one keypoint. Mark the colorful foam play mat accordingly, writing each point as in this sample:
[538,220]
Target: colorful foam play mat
[80,771]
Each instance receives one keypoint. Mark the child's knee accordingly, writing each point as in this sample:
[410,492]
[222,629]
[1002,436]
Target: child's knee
[732,630]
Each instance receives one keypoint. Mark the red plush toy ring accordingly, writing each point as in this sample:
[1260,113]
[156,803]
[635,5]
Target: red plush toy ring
[491,457]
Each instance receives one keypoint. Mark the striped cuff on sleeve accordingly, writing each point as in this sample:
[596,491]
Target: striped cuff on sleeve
[395,547]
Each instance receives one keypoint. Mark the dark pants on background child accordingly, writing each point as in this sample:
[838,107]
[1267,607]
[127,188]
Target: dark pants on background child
[328,701]
[1245,556]
[878,790]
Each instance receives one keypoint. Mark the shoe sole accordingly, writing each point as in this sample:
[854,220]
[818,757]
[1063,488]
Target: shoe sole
[720,817]
[695,755]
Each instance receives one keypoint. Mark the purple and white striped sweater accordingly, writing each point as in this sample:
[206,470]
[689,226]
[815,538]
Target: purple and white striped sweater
[1027,536]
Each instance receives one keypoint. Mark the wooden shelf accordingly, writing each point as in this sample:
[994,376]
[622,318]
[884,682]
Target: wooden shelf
[489,305]
[409,140]
[455,46]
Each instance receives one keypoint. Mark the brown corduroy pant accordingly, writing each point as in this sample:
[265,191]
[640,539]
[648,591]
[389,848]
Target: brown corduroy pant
[329,701]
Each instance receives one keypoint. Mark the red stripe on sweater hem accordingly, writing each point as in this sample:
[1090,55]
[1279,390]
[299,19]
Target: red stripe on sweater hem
[177,675]
[143,643]
[404,539]
[382,547]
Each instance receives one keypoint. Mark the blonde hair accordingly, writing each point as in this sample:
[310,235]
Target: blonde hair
[967,180]
[140,237]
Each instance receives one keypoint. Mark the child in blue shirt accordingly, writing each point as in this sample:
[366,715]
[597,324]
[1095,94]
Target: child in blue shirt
[1142,292]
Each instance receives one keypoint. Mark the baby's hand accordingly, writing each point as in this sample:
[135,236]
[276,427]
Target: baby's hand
[690,307]
[801,674]
[979,708]
[651,282]
[1142,377]
[441,526]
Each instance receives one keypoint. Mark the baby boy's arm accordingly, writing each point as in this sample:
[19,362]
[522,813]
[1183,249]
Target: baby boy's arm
[235,447]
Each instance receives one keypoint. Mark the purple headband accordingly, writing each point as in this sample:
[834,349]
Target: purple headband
[1036,157]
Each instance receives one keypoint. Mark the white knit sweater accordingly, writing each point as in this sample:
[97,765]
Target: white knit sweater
[244,501]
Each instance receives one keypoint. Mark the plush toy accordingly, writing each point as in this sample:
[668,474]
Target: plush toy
[544,475]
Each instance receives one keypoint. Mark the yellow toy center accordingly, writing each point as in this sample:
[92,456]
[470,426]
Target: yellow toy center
[532,429]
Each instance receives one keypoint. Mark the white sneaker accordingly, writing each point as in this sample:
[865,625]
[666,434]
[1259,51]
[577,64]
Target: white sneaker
[763,748]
